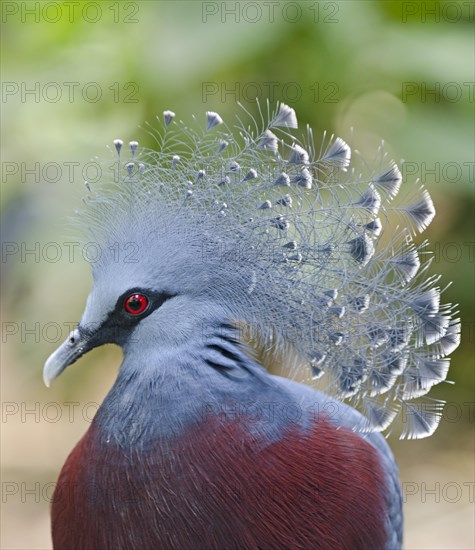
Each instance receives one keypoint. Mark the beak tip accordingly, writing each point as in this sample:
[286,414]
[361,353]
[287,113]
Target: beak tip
[47,378]
[65,355]
[53,368]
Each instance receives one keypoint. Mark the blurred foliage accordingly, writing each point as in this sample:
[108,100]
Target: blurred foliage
[398,71]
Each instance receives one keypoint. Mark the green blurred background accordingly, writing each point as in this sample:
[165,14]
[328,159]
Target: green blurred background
[76,75]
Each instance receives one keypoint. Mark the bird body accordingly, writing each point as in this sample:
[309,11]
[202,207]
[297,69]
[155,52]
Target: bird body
[247,251]
[270,475]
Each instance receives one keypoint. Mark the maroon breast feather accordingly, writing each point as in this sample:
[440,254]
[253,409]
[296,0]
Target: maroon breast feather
[223,486]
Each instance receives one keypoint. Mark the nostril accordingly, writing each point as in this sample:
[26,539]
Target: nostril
[74,337]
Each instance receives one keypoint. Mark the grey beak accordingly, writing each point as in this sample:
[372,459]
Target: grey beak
[68,352]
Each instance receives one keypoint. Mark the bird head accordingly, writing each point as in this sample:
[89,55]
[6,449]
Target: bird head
[154,293]
[263,228]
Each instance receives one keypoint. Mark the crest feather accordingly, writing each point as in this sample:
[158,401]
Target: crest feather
[291,242]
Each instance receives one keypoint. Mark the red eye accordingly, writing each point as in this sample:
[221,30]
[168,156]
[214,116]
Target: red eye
[136,304]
